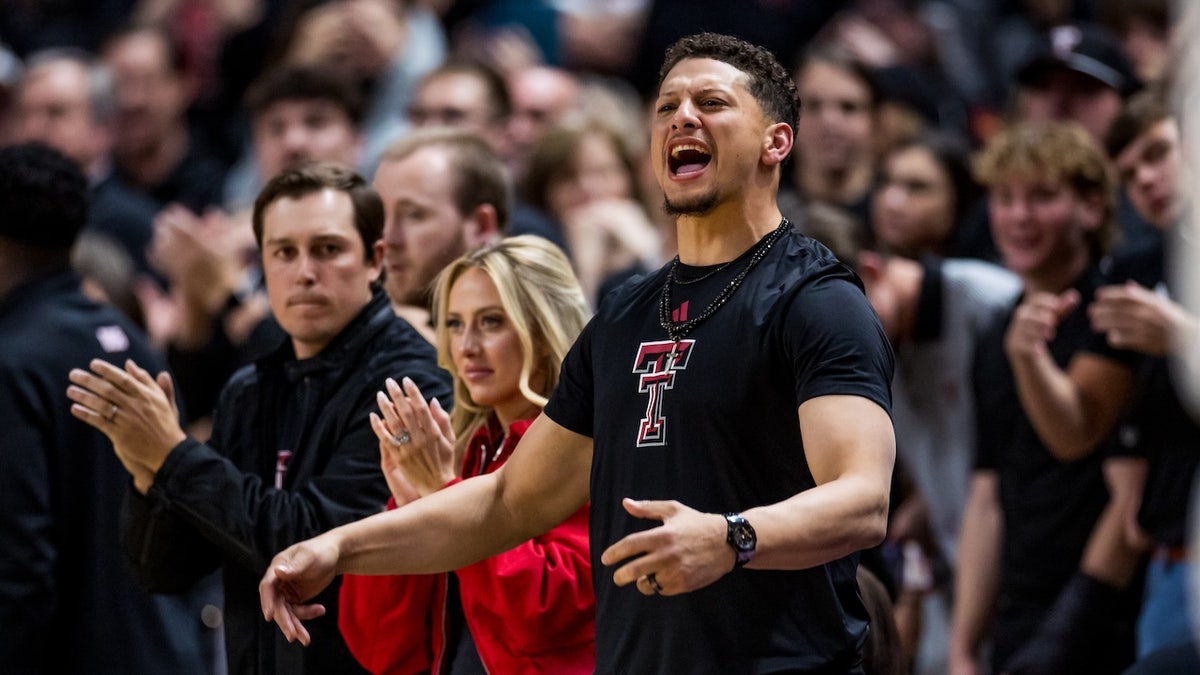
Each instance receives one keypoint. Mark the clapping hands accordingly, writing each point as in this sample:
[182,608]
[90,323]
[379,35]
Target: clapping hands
[416,442]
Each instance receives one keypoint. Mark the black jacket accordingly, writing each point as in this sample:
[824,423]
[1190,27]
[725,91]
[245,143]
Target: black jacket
[240,499]
[68,602]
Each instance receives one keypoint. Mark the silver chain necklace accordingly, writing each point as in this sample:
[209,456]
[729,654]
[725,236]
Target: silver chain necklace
[677,330]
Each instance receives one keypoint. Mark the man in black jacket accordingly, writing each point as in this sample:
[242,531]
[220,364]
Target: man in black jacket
[292,453]
[68,602]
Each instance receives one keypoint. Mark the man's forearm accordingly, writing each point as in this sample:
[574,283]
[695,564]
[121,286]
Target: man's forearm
[446,530]
[819,525]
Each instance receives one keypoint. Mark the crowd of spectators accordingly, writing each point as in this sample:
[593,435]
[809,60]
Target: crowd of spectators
[1002,175]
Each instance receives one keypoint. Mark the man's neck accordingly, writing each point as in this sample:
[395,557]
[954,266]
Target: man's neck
[19,264]
[725,233]
[1057,278]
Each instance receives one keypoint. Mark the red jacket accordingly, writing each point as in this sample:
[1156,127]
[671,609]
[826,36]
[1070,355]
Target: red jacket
[530,609]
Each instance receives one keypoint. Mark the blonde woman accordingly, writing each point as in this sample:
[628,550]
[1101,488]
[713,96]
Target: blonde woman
[505,316]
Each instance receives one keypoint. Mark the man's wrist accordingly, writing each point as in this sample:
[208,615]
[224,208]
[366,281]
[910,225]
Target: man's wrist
[741,538]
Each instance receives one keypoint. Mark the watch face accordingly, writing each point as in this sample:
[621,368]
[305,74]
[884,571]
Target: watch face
[742,537]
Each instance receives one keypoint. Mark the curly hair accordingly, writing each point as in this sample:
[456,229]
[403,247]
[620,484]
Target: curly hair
[1058,151]
[770,83]
[44,197]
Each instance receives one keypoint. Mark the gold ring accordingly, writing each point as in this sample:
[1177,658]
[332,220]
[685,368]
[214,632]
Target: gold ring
[112,414]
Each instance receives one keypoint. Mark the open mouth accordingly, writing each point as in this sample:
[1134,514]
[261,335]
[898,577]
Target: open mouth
[687,159]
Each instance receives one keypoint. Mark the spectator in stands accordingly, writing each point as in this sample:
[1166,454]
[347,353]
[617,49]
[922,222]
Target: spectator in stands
[68,603]
[445,192]
[1043,556]
[154,151]
[66,100]
[292,453]
[507,314]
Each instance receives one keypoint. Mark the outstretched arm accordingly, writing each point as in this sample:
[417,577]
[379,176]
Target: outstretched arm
[542,484]
[850,446]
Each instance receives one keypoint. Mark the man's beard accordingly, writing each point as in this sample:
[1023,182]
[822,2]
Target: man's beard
[695,206]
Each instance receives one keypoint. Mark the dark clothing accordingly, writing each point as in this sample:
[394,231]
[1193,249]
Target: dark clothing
[1049,507]
[196,182]
[124,215]
[715,428]
[203,372]
[527,220]
[68,602]
[1179,659]
[292,455]
[1157,425]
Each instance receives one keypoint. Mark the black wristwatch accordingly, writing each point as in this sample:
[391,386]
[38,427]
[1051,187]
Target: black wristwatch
[740,535]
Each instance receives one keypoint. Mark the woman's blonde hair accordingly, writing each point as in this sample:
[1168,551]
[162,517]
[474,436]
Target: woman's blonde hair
[544,302]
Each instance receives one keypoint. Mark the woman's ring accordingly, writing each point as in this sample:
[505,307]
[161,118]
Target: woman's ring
[399,439]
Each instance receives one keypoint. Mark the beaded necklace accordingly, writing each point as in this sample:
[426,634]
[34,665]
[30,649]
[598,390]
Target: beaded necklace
[677,330]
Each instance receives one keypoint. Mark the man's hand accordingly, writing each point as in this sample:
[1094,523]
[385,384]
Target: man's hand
[134,410]
[1133,317]
[295,575]
[378,31]
[688,551]
[1036,322]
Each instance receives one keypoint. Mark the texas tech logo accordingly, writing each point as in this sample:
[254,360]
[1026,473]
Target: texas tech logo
[655,365]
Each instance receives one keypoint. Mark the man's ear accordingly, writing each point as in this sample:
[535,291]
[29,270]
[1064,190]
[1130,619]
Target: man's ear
[482,227]
[777,143]
[376,262]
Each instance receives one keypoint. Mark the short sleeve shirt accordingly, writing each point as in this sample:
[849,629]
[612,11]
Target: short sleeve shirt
[715,427]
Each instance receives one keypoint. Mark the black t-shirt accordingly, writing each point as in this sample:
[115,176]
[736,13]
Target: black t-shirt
[718,432]
[1049,507]
[1157,424]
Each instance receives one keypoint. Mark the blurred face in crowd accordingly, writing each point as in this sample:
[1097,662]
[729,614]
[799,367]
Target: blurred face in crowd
[317,274]
[912,210]
[1149,169]
[458,100]
[52,106]
[1040,225]
[485,347]
[423,230]
[291,132]
[151,96]
[541,97]
[1064,95]
[596,172]
[836,120]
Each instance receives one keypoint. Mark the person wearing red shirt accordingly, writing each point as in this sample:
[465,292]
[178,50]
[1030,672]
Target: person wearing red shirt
[505,316]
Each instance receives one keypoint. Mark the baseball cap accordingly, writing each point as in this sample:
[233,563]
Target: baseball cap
[1084,48]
